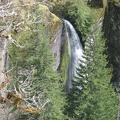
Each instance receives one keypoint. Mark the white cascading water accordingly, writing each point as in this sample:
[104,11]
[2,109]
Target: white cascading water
[75,53]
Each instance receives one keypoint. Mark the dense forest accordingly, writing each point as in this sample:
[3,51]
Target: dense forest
[35,60]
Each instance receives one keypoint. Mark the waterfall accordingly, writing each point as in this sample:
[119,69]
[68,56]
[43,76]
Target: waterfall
[75,52]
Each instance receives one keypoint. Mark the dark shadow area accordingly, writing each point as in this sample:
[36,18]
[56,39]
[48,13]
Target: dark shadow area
[95,3]
[112,34]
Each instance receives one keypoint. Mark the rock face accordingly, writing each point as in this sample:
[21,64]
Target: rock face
[56,48]
[95,3]
[4,111]
[30,15]
[2,58]
[111,28]
[51,22]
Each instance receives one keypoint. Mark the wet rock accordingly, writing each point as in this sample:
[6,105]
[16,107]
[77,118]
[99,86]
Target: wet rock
[56,48]
[111,28]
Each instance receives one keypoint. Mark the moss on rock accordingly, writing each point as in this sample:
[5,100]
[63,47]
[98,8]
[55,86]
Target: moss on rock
[34,13]
[116,2]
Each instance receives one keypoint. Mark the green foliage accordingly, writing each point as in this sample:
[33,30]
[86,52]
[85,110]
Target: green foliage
[92,97]
[80,14]
[58,7]
[64,60]
[36,56]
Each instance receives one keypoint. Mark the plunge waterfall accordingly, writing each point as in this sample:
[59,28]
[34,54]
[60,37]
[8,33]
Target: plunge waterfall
[75,53]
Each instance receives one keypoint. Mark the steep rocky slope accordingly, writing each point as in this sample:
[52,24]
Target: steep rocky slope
[111,29]
[31,13]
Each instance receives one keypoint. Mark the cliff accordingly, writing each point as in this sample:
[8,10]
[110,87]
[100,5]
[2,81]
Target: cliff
[111,29]
[40,14]
[29,24]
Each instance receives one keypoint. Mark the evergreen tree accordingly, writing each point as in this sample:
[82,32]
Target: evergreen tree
[36,57]
[80,16]
[92,97]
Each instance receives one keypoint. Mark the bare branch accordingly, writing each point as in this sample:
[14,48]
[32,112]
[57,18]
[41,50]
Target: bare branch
[22,91]
[8,5]
[45,103]
[15,42]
